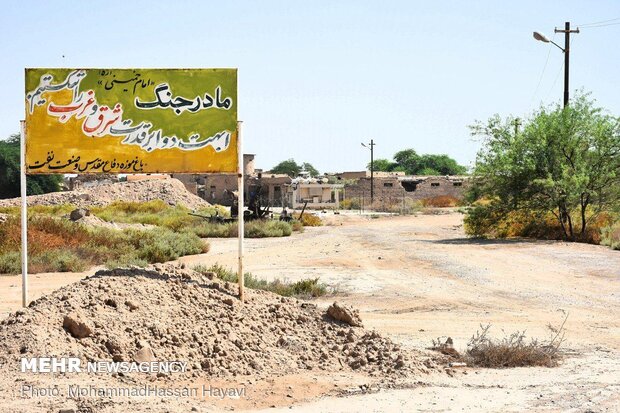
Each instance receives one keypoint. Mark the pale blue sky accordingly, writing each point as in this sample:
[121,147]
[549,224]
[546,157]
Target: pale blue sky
[318,77]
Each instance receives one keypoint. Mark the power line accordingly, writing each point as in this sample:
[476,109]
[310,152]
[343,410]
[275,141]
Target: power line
[560,71]
[602,25]
[599,22]
[543,71]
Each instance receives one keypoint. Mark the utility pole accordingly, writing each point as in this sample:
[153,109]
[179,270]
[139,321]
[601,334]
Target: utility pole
[567,31]
[371,146]
[517,122]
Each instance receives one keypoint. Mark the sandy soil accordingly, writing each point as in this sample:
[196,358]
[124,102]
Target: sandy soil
[419,278]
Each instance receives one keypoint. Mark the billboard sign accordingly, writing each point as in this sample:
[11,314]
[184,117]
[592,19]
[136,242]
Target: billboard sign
[131,120]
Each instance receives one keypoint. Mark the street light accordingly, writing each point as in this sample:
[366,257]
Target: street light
[566,50]
[371,146]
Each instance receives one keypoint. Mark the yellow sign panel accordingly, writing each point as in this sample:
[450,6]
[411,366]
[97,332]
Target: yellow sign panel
[131,120]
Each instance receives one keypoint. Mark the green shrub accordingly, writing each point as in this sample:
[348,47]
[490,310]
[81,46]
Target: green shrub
[10,262]
[60,245]
[161,244]
[209,230]
[610,236]
[350,203]
[267,228]
[59,260]
[309,287]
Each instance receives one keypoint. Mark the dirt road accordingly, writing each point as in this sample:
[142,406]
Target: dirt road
[419,278]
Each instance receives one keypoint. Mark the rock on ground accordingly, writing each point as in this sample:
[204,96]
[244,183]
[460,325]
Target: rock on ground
[345,314]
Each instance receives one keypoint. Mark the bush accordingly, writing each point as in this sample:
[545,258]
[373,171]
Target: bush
[610,236]
[10,262]
[209,230]
[297,226]
[57,244]
[268,228]
[442,201]
[161,245]
[309,220]
[58,260]
[482,220]
[513,350]
[350,203]
[306,288]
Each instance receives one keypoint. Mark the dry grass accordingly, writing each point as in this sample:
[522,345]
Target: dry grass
[306,288]
[56,244]
[443,201]
[513,350]
[309,220]
[610,236]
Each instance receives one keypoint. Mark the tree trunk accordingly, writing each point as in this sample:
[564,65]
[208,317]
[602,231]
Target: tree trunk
[584,207]
[561,218]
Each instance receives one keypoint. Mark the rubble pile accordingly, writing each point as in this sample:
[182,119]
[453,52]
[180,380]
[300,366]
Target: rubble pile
[169,313]
[171,191]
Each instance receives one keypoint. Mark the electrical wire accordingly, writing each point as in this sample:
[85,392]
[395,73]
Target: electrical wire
[600,25]
[599,22]
[557,76]
[543,70]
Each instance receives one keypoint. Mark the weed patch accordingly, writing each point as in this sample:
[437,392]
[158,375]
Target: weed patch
[306,288]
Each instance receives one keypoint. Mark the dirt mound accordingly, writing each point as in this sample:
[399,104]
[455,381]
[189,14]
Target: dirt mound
[167,313]
[171,191]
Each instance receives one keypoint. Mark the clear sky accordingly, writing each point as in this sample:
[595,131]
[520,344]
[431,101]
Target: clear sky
[316,78]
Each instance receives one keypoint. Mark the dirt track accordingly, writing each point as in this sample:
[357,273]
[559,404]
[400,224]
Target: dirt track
[418,278]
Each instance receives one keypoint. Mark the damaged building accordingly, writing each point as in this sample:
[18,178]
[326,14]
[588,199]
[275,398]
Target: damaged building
[276,190]
[391,188]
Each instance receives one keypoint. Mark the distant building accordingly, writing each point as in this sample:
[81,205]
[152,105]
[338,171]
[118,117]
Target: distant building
[412,187]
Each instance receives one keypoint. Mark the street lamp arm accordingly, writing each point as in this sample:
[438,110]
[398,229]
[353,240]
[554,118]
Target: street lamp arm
[557,45]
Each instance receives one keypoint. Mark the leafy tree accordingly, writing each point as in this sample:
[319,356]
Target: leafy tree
[310,169]
[408,160]
[382,165]
[9,173]
[442,164]
[288,167]
[429,172]
[292,168]
[566,162]
[411,163]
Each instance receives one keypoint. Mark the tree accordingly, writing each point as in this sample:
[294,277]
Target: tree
[288,167]
[310,169]
[9,173]
[292,168]
[411,163]
[565,162]
[408,160]
[384,165]
[443,164]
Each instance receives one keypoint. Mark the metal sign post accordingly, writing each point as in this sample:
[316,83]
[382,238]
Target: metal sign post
[24,213]
[240,208]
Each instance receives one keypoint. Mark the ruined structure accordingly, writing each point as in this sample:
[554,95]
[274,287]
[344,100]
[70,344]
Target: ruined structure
[393,188]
